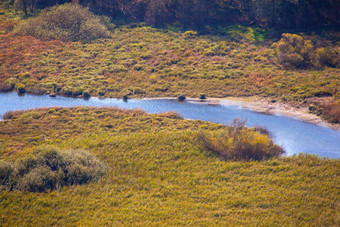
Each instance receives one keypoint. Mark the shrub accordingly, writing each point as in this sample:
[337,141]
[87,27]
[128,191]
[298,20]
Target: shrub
[86,94]
[49,168]
[67,91]
[293,50]
[181,98]
[37,90]
[77,91]
[237,142]
[202,96]
[322,93]
[171,115]
[262,130]
[11,114]
[125,98]
[21,89]
[6,87]
[137,91]
[68,22]
[190,34]
[326,56]
[101,93]
[6,172]
[331,112]
[239,33]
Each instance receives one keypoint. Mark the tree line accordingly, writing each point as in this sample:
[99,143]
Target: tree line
[196,14]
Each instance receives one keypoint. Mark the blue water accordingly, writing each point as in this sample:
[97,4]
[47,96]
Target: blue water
[294,135]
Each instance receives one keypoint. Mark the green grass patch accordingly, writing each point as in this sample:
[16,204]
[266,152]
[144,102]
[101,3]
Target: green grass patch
[159,175]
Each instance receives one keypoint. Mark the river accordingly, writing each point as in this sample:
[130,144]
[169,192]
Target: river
[294,135]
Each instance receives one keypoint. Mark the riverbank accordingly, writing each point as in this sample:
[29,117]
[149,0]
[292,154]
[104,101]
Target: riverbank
[257,104]
[266,106]
[161,64]
[294,135]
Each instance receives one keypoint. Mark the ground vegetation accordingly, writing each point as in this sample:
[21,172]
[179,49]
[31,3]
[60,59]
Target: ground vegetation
[158,174]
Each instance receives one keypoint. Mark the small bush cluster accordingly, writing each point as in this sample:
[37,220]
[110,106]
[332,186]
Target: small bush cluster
[49,168]
[5,87]
[181,98]
[12,114]
[293,51]
[240,144]
[326,56]
[68,22]
[239,32]
[190,34]
[331,112]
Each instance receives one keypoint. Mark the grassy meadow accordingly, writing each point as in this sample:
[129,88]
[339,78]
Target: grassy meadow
[141,61]
[159,169]
[159,175]
[148,62]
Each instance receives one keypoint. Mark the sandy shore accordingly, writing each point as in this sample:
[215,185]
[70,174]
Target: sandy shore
[265,106]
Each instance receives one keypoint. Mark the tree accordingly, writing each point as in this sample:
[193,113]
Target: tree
[25,5]
[279,14]
[155,13]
